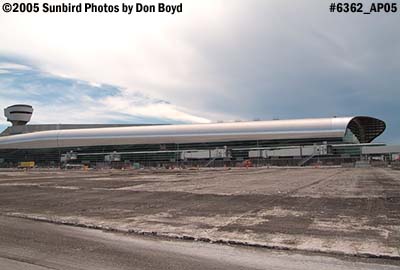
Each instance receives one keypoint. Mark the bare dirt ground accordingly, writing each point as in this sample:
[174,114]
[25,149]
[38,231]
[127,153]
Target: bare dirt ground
[31,245]
[335,210]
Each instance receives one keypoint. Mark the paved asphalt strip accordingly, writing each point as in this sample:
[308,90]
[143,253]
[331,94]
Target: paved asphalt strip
[32,245]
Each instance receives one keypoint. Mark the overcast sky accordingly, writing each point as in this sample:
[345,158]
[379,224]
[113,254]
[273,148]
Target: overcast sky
[218,60]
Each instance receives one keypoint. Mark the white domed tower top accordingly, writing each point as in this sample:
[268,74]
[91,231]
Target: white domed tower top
[19,114]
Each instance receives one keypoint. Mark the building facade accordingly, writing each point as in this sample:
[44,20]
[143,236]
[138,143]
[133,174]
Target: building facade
[91,144]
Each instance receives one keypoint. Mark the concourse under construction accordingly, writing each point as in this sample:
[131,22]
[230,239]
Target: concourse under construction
[274,142]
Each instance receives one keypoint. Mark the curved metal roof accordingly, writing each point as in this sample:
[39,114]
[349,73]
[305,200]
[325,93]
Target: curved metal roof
[364,128]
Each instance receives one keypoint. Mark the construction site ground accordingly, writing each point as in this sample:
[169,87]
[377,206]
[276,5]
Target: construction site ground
[352,211]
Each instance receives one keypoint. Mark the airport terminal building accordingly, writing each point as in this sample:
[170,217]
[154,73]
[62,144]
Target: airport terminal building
[301,140]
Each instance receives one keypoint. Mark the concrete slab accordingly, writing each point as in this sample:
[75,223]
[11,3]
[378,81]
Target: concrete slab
[336,210]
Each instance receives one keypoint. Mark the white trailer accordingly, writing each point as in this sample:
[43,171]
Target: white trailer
[300,151]
[204,154]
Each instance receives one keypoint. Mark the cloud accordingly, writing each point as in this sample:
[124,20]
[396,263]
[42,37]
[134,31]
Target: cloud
[6,66]
[151,54]
[157,109]
[65,100]
[223,59]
